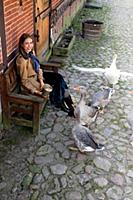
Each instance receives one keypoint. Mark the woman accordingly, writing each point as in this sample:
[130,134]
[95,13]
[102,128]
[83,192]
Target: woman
[32,78]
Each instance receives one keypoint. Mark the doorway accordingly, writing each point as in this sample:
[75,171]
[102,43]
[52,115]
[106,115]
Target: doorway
[42,28]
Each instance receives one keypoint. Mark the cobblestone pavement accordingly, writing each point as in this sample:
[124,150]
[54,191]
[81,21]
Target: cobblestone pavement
[42,167]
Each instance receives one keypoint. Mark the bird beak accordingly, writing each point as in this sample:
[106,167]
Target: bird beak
[130,92]
[77,88]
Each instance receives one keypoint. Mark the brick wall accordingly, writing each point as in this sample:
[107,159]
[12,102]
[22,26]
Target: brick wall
[18,19]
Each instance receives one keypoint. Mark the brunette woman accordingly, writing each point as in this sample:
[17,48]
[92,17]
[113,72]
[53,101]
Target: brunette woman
[32,77]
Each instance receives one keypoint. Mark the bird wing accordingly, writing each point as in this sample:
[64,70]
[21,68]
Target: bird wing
[88,69]
[126,74]
[97,98]
[91,111]
[105,94]
[112,75]
[101,98]
[84,136]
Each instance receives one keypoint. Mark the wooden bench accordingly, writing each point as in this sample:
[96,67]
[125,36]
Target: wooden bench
[20,109]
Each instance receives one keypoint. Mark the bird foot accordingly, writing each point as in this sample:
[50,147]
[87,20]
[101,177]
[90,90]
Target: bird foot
[131,143]
[101,111]
[130,92]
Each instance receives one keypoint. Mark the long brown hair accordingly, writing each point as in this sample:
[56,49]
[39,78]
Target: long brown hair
[22,38]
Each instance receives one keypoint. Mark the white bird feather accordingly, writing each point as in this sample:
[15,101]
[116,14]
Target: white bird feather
[101,71]
[84,69]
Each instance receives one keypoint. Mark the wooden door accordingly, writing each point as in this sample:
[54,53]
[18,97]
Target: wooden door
[42,27]
[41,5]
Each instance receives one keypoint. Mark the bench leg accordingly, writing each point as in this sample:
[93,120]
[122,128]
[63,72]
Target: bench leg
[6,121]
[5,114]
[36,118]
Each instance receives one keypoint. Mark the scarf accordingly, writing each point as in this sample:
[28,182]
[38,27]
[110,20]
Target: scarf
[35,61]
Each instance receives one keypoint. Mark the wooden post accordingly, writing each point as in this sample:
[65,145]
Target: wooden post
[5,106]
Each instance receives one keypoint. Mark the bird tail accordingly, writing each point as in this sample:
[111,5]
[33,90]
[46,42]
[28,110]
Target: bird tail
[100,147]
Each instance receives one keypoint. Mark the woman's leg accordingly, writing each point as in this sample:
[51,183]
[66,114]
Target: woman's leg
[59,85]
[59,96]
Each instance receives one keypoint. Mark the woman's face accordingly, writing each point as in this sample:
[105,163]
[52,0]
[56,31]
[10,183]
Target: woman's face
[28,45]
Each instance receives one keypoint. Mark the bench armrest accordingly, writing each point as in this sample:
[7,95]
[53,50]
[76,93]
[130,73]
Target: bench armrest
[50,66]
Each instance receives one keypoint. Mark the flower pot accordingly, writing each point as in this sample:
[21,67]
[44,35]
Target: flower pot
[63,45]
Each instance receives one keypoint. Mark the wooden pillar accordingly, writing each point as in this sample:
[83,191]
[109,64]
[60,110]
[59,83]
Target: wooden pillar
[3,38]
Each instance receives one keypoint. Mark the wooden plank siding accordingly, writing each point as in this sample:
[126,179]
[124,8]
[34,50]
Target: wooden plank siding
[42,27]
[41,6]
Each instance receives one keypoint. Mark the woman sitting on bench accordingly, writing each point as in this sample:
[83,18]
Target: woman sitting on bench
[32,78]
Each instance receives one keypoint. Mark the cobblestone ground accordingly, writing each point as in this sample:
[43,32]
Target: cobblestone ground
[42,167]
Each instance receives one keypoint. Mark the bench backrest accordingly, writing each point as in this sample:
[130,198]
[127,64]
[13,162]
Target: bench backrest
[11,78]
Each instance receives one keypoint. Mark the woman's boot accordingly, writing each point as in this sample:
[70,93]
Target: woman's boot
[69,104]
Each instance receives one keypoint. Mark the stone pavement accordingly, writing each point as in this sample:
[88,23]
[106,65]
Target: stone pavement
[42,167]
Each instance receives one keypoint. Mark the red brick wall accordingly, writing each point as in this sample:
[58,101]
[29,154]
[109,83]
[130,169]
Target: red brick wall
[18,19]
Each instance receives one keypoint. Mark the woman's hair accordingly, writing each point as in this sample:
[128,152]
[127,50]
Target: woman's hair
[22,38]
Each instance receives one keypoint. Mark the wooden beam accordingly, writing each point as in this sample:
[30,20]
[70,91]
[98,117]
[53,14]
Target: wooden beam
[3,36]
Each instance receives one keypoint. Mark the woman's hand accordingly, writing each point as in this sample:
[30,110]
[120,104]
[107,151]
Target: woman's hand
[38,92]
[41,84]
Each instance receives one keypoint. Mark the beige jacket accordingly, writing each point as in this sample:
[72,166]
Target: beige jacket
[30,80]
